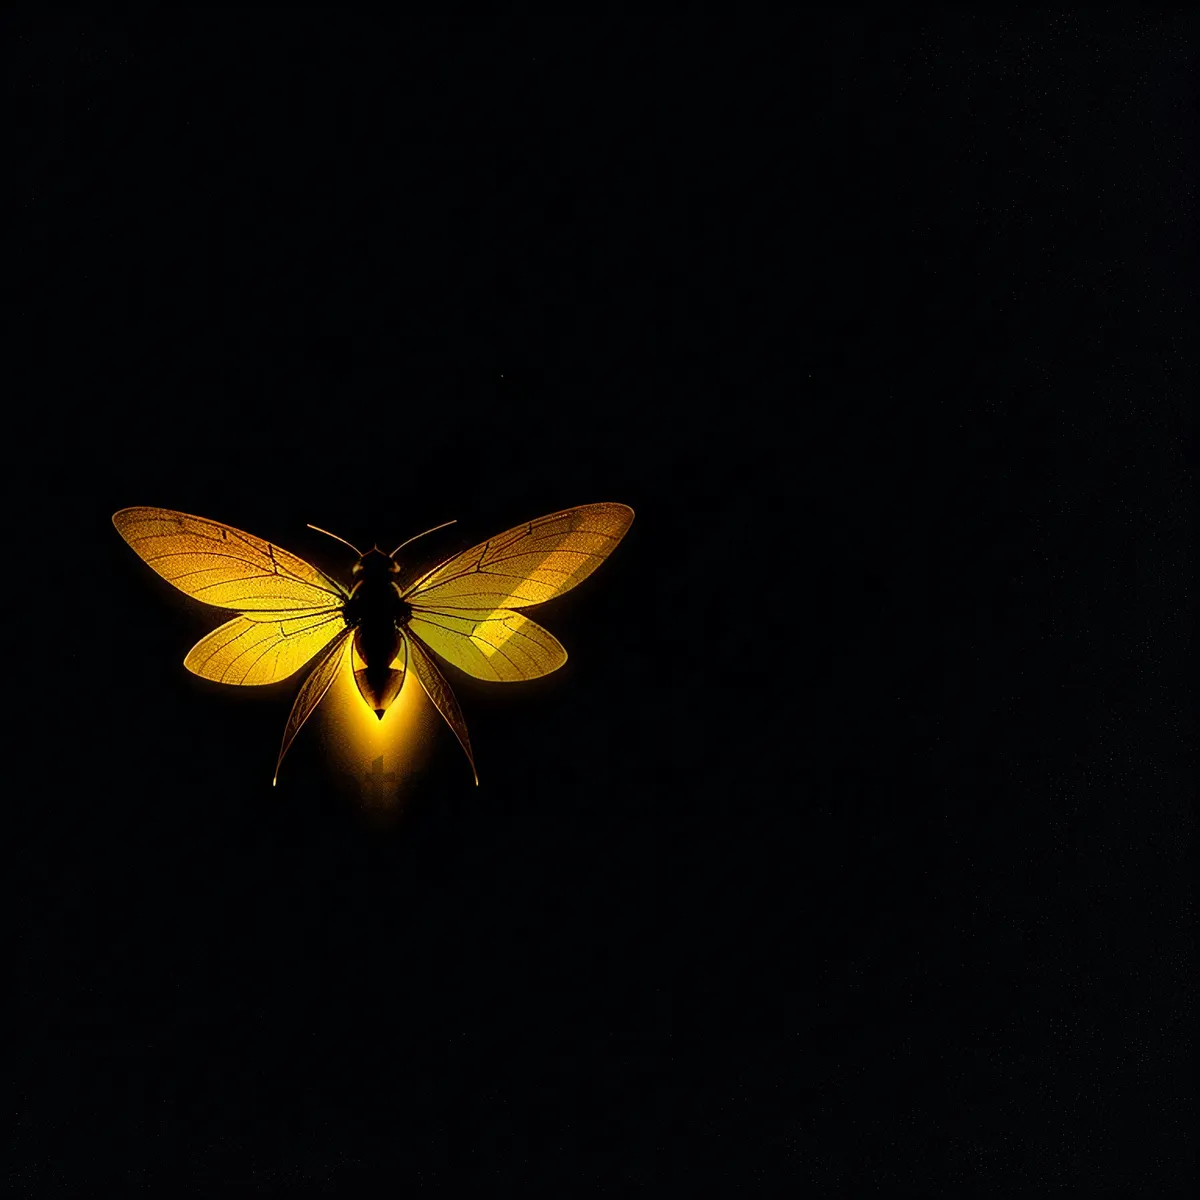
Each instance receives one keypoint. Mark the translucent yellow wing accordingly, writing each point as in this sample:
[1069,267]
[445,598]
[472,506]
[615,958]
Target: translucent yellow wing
[313,690]
[527,565]
[225,567]
[258,651]
[463,609]
[438,690]
[499,646]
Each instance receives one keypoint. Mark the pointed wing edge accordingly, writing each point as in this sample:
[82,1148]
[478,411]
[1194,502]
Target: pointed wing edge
[312,692]
[440,694]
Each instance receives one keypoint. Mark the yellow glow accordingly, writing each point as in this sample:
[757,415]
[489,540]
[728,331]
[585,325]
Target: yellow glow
[356,739]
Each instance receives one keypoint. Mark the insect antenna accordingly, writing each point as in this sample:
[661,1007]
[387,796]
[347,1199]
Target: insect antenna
[420,535]
[336,538]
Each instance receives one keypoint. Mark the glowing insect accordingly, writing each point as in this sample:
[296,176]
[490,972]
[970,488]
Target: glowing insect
[290,612]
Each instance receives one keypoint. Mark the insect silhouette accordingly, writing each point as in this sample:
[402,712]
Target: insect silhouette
[289,613]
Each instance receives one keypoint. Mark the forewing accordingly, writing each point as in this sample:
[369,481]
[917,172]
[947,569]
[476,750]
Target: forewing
[246,651]
[438,690]
[313,689]
[225,567]
[499,646]
[527,565]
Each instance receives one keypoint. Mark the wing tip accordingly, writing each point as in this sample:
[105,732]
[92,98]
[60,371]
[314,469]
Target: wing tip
[617,504]
[133,511]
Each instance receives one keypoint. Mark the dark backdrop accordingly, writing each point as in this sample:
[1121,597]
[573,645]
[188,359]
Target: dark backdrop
[846,852]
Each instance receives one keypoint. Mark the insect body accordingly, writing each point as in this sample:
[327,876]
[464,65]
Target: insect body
[464,611]
[378,613]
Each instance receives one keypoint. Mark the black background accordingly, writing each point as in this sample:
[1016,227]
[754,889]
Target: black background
[847,850]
